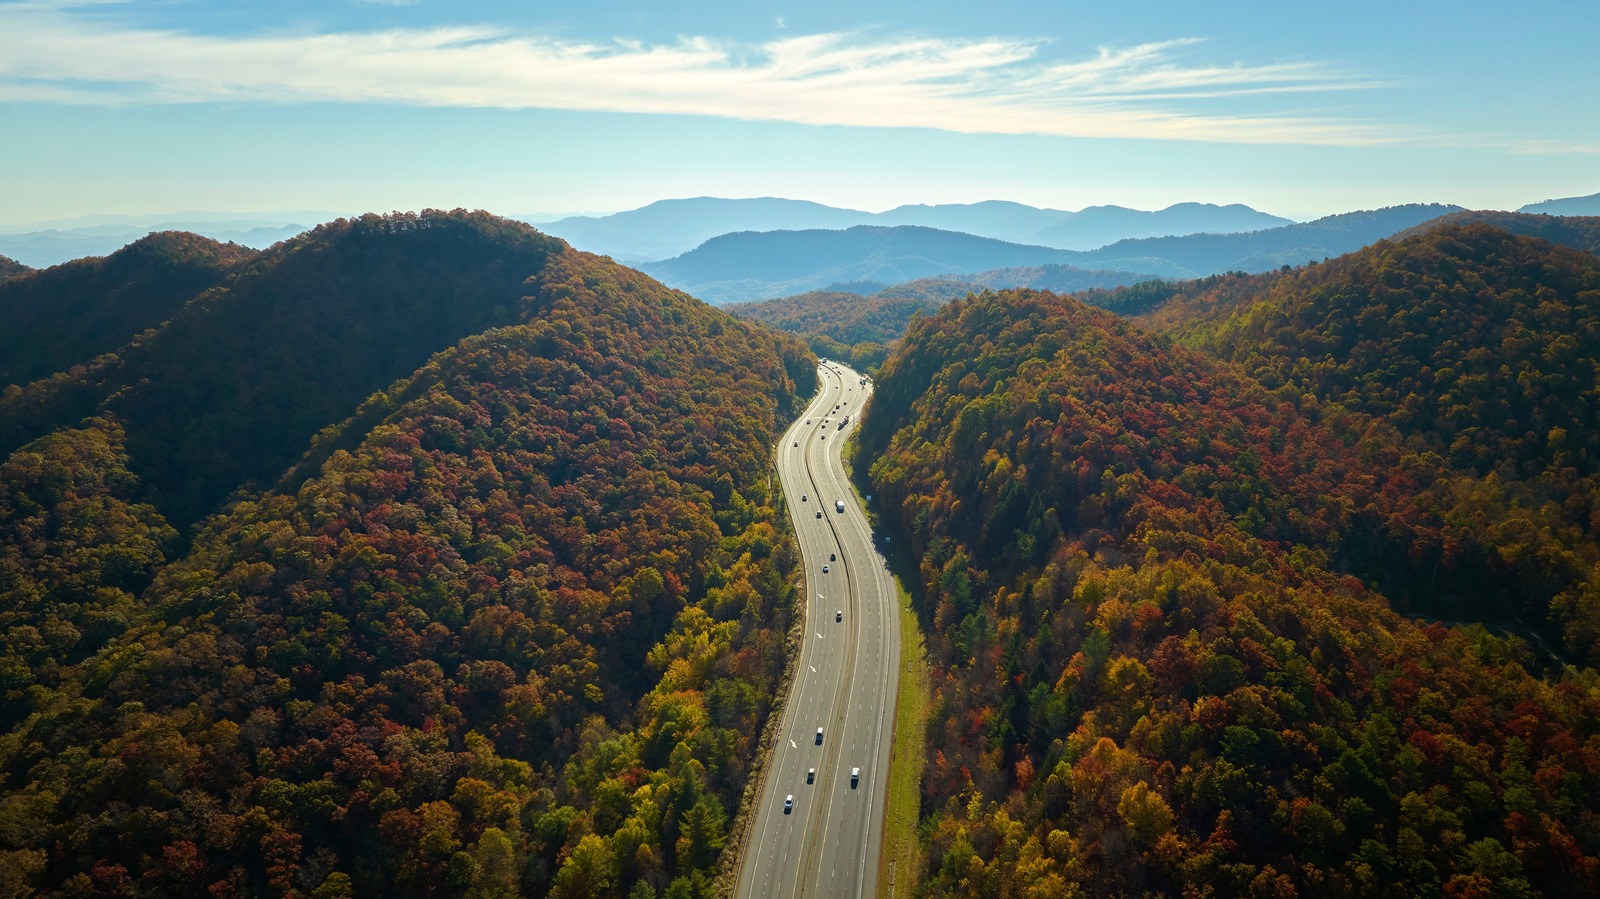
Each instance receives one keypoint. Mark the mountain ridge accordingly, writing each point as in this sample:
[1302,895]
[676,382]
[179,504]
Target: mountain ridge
[759,265]
[668,228]
[1589,205]
[1163,659]
[508,614]
[753,265]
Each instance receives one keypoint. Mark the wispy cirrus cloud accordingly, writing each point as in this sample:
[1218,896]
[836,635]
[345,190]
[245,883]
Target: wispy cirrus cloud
[1534,147]
[979,85]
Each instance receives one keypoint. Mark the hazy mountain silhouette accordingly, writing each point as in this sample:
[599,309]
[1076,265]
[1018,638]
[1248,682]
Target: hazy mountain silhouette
[753,266]
[52,243]
[756,265]
[1589,205]
[1196,255]
[672,227]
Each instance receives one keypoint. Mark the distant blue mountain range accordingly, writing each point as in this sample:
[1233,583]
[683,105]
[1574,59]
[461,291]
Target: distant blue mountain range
[672,227]
[748,265]
[1589,205]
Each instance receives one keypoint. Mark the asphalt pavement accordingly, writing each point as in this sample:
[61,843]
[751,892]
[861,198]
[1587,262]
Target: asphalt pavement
[829,844]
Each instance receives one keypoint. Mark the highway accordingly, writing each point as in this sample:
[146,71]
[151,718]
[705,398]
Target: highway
[845,681]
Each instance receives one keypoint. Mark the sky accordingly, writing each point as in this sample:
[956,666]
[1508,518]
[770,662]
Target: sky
[529,108]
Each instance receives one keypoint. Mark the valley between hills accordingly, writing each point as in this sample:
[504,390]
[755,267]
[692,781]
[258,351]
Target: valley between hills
[426,555]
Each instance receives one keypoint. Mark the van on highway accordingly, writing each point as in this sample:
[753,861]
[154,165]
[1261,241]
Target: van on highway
[811,775]
[838,615]
[788,804]
[819,736]
[838,505]
[855,778]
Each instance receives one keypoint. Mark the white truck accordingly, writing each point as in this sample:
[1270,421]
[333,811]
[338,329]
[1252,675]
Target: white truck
[838,506]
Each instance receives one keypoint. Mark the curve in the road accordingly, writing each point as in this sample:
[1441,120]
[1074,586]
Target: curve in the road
[827,846]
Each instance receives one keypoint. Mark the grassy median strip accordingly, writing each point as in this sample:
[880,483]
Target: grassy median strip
[902,853]
[901,861]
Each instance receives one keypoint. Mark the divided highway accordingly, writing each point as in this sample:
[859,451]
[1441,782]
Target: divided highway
[828,843]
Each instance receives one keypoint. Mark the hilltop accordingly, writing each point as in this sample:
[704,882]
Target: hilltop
[1480,347]
[497,606]
[857,326]
[1589,205]
[1578,232]
[232,386]
[1158,602]
[11,268]
[69,314]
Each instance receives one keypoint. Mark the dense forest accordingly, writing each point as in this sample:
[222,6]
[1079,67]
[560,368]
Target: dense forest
[69,314]
[209,406]
[1159,599]
[1577,231]
[1482,349]
[841,325]
[11,268]
[509,623]
[856,324]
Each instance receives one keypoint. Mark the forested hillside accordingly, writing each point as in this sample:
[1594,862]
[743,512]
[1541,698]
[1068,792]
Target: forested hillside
[513,627]
[69,314]
[857,327]
[11,268]
[1483,349]
[232,388]
[1578,232]
[838,324]
[1158,602]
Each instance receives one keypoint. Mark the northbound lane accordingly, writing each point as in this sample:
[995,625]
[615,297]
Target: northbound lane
[828,846]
